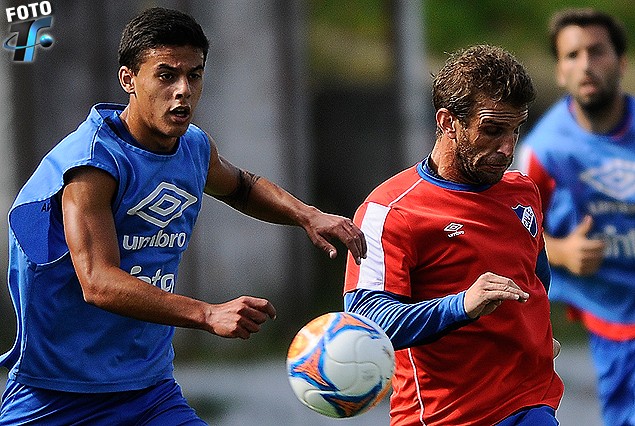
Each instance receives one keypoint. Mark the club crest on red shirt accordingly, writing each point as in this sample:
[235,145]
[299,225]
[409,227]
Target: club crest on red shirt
[527,218]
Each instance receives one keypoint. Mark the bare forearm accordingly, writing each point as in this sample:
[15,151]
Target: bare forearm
[264,200]
[116,291]
[256,196]
[129,296]
[269,202]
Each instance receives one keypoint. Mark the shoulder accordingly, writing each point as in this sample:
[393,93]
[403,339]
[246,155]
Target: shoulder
[92,132]
[92,143]
[200,141]
[516,177]
[395,188]
[519,181]
[193,131]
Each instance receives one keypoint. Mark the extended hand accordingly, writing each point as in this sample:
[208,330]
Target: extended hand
[323,227]
[488,292]
[239,317]
[580,255]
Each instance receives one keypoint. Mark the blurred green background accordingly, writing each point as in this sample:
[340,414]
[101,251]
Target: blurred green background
[349,67]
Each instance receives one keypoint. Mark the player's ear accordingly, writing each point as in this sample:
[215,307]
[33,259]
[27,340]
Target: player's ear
[446,122]
[126,79]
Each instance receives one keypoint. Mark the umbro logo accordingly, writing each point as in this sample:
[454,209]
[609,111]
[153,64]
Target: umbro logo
[166,203]
[615,178]
[453,229]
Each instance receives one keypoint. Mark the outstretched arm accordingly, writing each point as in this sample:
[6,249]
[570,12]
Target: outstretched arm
[92,240]
[264,200]
[409,324]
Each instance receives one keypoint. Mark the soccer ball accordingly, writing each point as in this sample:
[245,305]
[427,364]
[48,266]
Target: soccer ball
[340,364]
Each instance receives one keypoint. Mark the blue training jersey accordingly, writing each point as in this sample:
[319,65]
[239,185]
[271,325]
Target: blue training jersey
[64,343]
[582,173]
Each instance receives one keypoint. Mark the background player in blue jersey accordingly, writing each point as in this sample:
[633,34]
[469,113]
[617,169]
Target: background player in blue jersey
[581,154]
[97,234]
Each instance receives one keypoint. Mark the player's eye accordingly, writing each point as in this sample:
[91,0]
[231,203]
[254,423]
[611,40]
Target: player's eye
[598,51]
[493,131]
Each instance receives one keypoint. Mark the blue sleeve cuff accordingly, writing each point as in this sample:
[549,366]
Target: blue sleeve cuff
[457,306]
[409,324]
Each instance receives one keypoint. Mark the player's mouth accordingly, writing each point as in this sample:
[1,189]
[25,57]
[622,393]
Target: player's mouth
[588,86]
[181,114]
[497,167]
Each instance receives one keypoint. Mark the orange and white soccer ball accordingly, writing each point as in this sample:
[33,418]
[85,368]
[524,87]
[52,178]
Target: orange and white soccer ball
[340,364]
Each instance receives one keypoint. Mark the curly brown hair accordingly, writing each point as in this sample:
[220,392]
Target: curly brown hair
[477,73]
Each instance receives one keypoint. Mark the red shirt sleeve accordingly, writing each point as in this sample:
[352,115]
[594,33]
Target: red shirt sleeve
[546,184]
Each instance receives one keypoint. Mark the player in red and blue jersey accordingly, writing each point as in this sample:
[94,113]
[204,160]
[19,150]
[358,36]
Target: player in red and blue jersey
[456,271]
[581,154]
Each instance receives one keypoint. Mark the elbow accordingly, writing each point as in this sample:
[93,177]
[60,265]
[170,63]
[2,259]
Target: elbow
[92,294]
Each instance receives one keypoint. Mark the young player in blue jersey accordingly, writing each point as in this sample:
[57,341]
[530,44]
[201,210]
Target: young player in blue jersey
[581,154]
[97,233]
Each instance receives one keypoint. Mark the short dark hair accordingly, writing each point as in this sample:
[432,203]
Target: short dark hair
[157,27]
[477,73]
[584,17]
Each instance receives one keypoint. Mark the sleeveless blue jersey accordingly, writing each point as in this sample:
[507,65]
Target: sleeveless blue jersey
[62,342]
[593,174]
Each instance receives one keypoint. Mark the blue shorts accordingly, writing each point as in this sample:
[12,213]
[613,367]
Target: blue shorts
[158,405]
[615,370]
[541,415]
